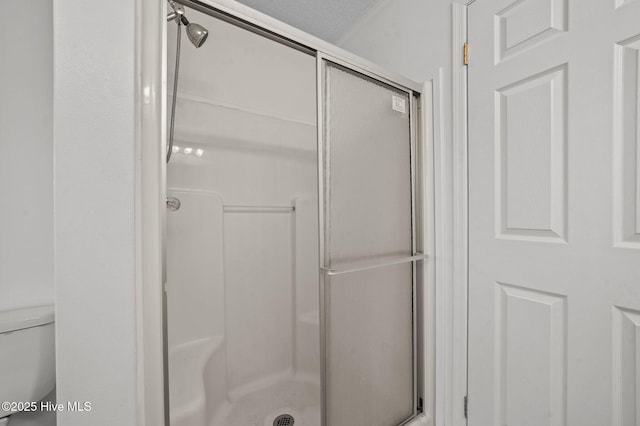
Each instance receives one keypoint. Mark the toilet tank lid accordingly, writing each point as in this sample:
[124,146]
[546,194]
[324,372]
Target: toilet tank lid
[18,319]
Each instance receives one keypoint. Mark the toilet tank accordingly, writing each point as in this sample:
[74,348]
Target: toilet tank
[27,357]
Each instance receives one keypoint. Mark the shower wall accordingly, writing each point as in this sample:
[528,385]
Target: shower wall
[242,249]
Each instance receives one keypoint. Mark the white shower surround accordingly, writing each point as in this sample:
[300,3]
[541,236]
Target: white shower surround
[212,380]
[242,250]
[211,347]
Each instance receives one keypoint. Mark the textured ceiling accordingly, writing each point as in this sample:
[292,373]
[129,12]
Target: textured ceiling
[327,19]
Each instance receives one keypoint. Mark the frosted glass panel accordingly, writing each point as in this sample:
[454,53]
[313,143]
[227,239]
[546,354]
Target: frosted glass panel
[369,364]
[367,314]
[367,169]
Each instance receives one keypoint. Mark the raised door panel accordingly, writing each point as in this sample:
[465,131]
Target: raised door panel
[626,367]
[531,158]
[525,23]
[530,357]
[626,146]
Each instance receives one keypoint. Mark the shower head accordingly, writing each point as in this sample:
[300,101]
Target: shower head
[197,33]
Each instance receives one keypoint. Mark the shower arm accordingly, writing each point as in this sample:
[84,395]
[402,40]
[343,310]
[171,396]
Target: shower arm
[177,13]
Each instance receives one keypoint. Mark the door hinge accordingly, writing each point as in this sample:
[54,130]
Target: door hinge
[465,54]
[466,407]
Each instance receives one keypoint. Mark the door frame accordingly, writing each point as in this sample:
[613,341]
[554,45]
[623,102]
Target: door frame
[151,107]
[451,195]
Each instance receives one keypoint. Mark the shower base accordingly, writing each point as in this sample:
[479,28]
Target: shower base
[262,407]
[199,396]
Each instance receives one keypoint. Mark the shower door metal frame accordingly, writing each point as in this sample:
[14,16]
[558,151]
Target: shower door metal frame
[325,271]
[254,21]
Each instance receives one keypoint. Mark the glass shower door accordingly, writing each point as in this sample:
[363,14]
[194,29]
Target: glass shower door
[367,249]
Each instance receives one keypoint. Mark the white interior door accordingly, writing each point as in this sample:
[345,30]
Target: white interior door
[554,213]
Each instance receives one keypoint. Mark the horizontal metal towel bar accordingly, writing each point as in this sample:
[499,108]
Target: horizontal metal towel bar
[416,257]
[259,209]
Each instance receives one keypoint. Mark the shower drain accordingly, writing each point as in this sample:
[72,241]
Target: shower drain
[283,420]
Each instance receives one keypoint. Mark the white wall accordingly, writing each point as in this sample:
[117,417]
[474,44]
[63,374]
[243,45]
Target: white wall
[410,37]
[95,157]
[26,155]
[415,38]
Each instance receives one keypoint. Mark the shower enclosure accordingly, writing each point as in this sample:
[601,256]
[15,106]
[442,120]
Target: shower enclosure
[295,237]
